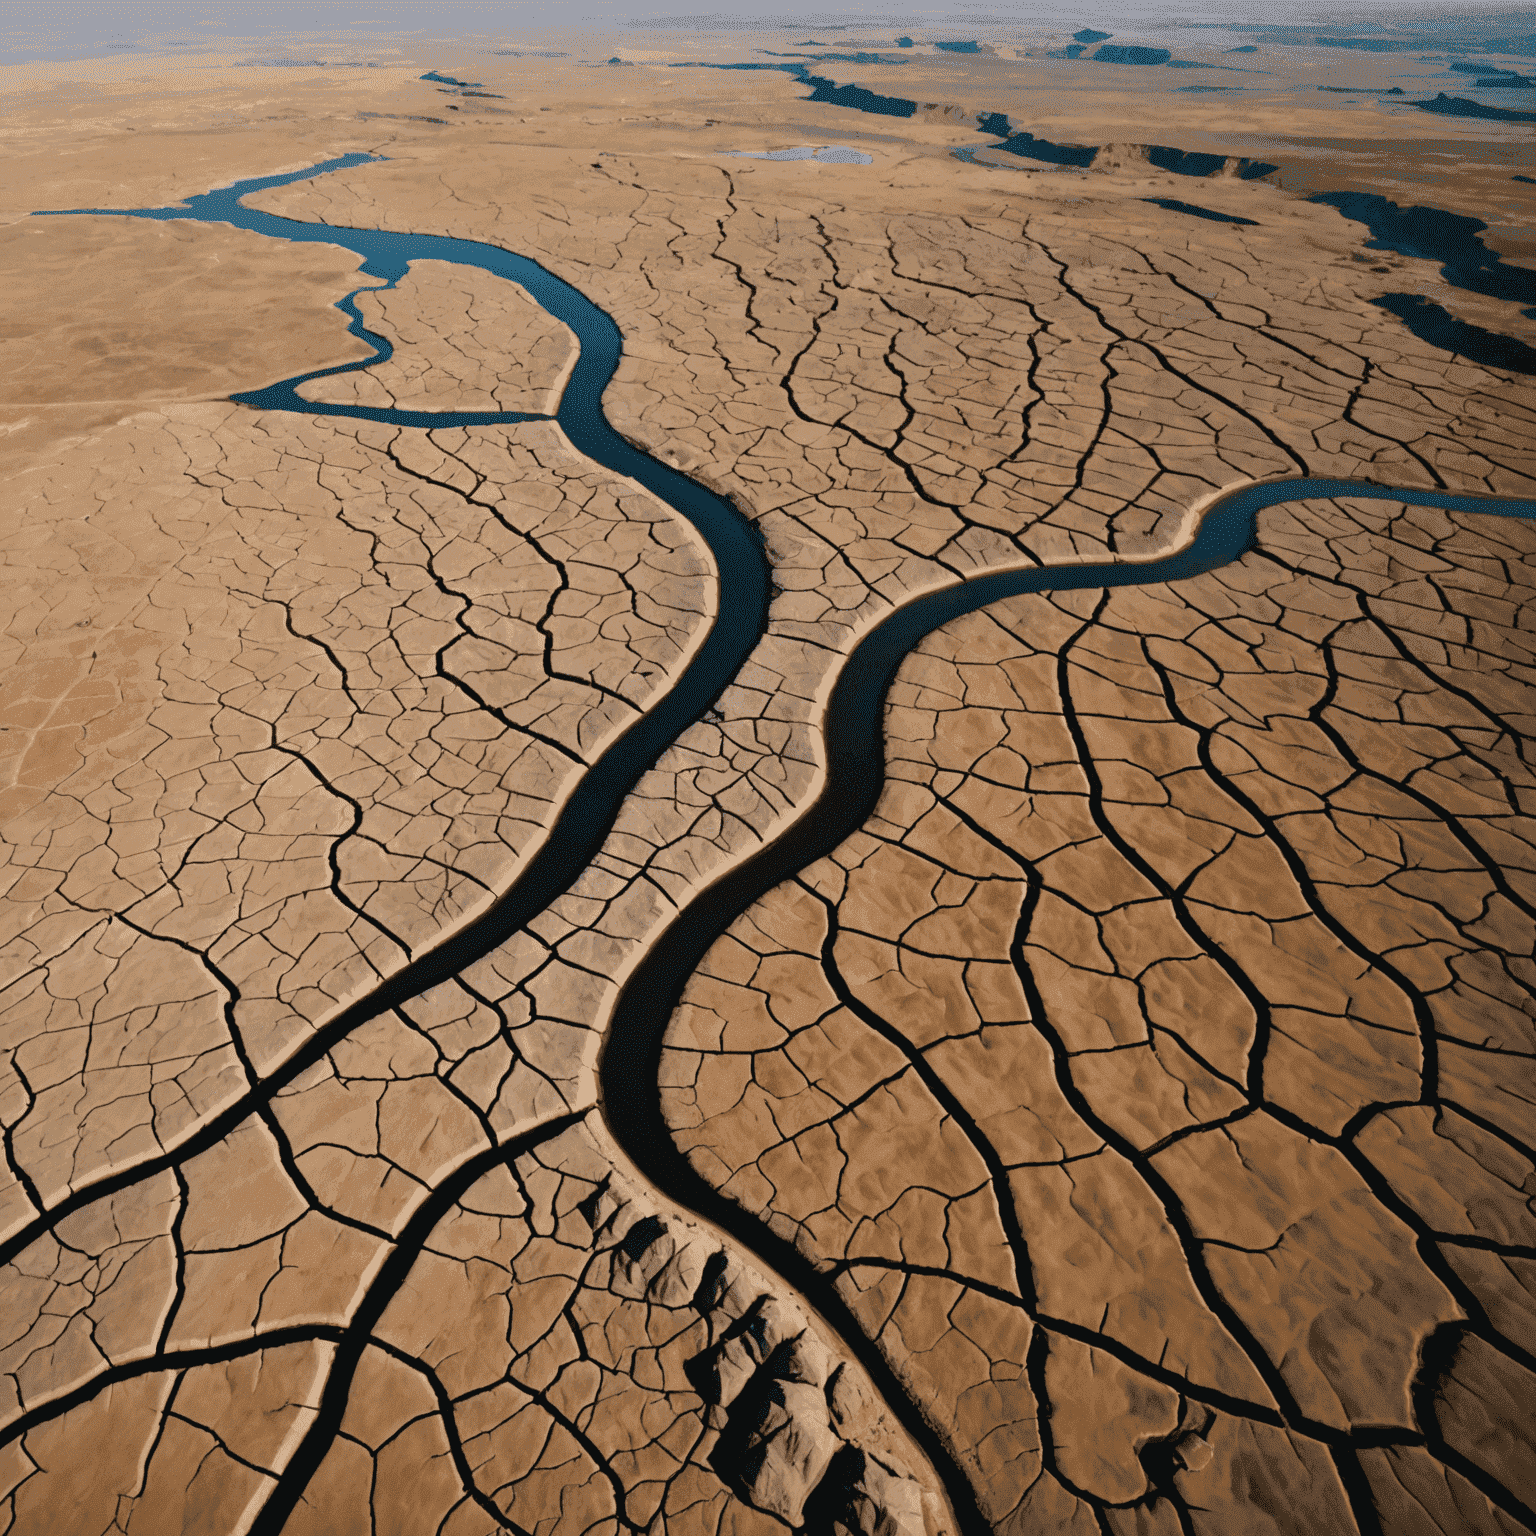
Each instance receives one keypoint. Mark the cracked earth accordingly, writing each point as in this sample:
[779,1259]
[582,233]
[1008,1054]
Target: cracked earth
[1153,1072]
[465,341]
[1150,1077]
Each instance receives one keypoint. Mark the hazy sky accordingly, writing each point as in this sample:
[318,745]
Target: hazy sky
[83,28]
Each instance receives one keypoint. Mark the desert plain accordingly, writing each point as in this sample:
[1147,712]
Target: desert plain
[1126,1127]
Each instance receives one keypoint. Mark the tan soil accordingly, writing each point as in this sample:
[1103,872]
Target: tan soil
[1171,1021]
[289,698]
[465,341]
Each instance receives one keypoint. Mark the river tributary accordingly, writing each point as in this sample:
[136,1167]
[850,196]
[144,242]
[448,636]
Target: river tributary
[853,746]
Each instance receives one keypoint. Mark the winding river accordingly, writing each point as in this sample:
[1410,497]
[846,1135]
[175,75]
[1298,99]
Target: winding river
[631,1048]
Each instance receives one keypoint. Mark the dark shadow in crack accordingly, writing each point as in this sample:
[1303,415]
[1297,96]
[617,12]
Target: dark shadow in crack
[630,1060]
[1429,322]
[1173,205]
[1459,106]
[1453,239]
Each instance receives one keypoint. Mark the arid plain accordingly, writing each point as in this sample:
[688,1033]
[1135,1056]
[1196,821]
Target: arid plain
[1128,1128]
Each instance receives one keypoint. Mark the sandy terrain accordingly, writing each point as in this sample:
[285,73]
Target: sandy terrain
[1154,1071]
[1200,1165]
[465,340]
[1323,117]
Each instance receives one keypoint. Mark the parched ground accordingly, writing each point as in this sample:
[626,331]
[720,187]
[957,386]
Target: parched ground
[464,340]
[1154,1071]
[1180,978]
[282,707]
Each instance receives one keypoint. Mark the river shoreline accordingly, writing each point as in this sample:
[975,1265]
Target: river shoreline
[848,789]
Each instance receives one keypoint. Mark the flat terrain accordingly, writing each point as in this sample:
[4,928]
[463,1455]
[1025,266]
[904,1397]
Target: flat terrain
[1152,1072]
[1144,1092]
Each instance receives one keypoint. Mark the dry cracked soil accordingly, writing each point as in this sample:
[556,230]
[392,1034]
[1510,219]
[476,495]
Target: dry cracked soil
[1144,1092]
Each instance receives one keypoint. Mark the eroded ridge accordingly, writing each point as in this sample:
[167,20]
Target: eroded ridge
[464,339]
[1153,1073]
[284,701]
[538,1349]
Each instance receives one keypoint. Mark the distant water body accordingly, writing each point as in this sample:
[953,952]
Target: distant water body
[78,29]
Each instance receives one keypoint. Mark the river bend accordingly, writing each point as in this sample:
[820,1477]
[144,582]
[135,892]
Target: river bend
[853,745]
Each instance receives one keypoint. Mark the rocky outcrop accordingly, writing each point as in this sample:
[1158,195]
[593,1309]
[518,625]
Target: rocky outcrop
[800,1435]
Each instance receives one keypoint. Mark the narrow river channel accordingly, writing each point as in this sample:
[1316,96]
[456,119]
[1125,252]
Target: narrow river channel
[853,744]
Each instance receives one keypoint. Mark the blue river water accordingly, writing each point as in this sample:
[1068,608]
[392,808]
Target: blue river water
[734,543]
[631,1050]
